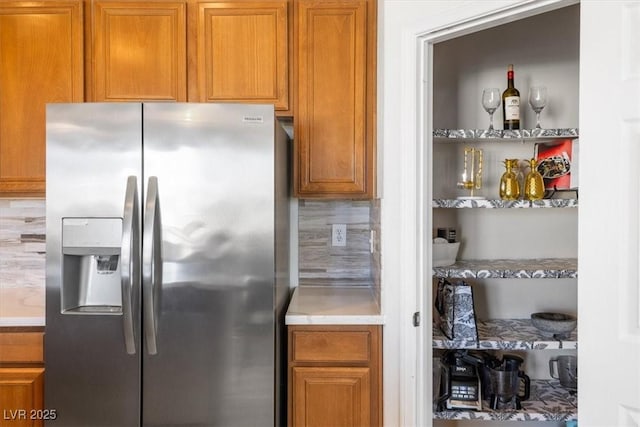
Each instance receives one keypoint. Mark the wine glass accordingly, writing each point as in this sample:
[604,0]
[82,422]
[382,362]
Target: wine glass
[491,101]
[538,100]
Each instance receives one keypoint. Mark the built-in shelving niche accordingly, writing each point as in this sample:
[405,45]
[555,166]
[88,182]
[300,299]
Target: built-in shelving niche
[499,237]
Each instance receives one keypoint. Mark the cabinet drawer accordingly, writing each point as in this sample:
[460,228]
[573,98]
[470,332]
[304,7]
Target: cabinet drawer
[21,347]
[330,346]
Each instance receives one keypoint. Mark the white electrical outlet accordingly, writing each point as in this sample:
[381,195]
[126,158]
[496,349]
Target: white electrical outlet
[339,235]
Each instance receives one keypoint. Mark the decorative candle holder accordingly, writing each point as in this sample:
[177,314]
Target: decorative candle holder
[472,173]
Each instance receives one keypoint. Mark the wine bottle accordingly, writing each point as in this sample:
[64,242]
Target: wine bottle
[511,103]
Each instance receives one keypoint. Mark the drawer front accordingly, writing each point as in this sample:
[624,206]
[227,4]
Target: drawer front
[21,347]
[331,346]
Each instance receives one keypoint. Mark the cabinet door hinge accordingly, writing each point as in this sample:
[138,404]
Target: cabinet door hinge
[416,319]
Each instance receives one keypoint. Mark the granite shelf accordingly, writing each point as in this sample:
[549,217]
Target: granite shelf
[443,135]
[506,334]
[503,204]
[548,402]
[544,268]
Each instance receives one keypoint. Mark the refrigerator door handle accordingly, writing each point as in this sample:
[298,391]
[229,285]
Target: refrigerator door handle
[151,265]
[130,262]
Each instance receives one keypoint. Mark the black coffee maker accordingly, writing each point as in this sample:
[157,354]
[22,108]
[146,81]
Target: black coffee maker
[460,383]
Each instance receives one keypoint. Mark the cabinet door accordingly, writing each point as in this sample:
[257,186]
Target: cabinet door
[331,396]
[334,119]
[41,61]
[21,395]
[140,51]
[242,52]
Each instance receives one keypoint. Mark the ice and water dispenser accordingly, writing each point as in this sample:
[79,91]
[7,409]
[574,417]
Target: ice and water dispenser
[91,279]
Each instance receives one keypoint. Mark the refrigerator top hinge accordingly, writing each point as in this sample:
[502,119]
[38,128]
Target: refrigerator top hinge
[416,319]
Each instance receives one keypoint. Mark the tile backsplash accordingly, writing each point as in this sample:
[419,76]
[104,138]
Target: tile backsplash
[22,258]
[352,265]
[22,251]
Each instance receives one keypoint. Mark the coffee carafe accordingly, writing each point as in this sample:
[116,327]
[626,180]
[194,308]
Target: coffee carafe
[505,383]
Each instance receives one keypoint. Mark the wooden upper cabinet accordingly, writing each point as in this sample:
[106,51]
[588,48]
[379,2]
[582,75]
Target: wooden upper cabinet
[334,121]
[41,61]
[242,52]
[140,51]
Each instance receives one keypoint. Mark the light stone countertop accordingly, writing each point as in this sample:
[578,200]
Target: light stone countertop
[21,321]
[310,305]
[333,305]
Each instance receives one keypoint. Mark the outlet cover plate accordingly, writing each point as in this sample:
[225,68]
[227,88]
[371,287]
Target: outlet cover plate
[339,235]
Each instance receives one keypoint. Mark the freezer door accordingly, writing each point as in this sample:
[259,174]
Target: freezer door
[92,362]
[209,357]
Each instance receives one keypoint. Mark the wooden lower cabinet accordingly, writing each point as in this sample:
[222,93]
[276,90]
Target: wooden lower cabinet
[21,397]
[335,376]
[22,380]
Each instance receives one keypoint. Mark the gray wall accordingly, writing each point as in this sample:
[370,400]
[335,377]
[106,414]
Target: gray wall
[544,50]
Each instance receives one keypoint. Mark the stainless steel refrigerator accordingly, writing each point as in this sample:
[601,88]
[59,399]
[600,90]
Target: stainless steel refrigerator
[167,265]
